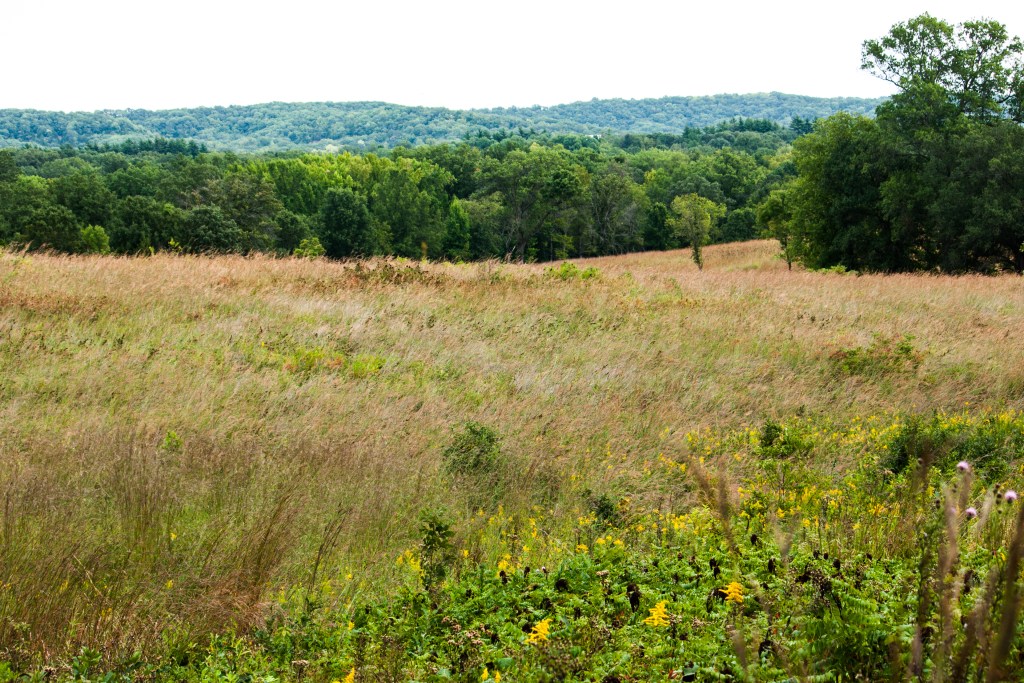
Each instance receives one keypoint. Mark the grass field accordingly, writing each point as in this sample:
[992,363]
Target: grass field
[339,471]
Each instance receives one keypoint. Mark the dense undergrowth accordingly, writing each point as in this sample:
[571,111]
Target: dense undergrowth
[880,549]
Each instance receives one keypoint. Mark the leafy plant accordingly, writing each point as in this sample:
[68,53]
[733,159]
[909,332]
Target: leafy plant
[475,449]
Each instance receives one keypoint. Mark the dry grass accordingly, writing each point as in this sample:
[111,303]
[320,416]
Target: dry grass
[316,396]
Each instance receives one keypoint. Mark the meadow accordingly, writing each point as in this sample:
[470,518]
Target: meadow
[258,469]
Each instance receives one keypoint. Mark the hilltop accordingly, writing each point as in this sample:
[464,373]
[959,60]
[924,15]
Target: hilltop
[368,125]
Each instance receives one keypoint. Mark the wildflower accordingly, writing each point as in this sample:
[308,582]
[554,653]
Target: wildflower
[1010,496]
[540,632]
[485,675]
[497,677]
[170,584]
[351,676]
[733,593]
[963,466]
[971,513]
[659,617]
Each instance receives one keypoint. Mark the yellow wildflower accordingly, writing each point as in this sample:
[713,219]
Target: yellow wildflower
[540,632]
[659,616]
[497,677]
[351,676]
[733,592]
[485,675]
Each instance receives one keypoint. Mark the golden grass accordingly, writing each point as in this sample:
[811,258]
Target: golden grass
[310,394]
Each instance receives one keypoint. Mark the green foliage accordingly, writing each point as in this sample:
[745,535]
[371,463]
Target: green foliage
[309,247]
[332,125]
[527,196]
[345,228]
[94,240]
[883,356]
[695,219]
[930,184]
[570,271]
[172,443]
[474,449]
[776,440]
[436,551]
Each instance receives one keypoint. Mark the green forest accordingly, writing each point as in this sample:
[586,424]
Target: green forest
[525,196]
[369,126]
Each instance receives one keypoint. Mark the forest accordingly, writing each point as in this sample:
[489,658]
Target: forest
[370,126]
[522,195]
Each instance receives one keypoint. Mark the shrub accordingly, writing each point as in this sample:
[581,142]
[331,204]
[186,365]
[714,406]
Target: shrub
[95,240]
[475,449]
[309,247]
[779,441]
[884,356]
[570,271]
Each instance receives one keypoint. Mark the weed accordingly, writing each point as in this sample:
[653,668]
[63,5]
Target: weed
[570,271]
[884,356]
[474,450]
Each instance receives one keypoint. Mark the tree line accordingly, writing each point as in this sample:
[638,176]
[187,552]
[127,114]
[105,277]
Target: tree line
[521,195]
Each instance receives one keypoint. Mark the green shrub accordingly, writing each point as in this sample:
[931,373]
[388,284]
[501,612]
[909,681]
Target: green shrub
[570,271]
[309,247]
[476,449]
[884,356]
[95,240]
[780,441]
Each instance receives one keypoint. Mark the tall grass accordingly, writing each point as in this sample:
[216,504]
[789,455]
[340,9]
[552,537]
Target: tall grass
[181,437]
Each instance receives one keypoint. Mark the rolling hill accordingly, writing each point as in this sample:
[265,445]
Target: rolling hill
[368,125]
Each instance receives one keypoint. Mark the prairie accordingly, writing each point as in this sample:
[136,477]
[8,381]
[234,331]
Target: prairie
[189,443]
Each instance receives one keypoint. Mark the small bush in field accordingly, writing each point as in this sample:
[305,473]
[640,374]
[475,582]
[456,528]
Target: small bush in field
[475,449]
[884,356]
[172,443]
[776,440]
[570,271]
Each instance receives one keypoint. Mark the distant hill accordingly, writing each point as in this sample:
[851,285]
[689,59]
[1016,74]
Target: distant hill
[326,125]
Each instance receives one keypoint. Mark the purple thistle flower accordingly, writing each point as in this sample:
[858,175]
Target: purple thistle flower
[1010,496]
[971,513]
[963,466]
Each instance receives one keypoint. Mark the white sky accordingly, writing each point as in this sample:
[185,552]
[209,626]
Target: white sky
[86,55]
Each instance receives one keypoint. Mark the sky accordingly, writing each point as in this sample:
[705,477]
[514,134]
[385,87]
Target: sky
[85,55]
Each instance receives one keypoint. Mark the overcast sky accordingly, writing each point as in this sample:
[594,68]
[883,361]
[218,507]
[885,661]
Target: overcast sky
[76,55]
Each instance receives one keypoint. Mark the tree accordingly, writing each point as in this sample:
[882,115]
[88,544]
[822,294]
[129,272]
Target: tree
[292,230]
[976,65]
[141,224]
[776,214]
[345,228]
[457,232]
[94,240]
[207,229]
[9,170]
[695,219]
